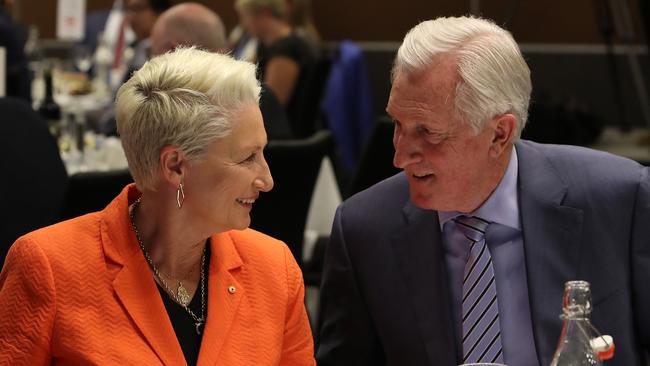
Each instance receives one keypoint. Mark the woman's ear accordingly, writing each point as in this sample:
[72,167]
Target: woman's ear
[172,164]
[505,126]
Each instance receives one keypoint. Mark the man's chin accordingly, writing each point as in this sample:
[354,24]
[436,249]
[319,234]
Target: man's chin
[432,202]
[423,201]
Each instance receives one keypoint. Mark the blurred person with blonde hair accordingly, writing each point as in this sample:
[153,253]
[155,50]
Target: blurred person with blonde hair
[285,60]
[300,17]
[168,272]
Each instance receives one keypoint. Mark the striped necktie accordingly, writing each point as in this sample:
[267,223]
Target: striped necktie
[481,330]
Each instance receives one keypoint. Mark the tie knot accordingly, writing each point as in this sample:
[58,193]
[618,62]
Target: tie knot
[472,227]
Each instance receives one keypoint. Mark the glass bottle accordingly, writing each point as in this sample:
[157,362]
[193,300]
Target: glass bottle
[49,109]
[103,58]
[35,62]
[32,46]
[574,347]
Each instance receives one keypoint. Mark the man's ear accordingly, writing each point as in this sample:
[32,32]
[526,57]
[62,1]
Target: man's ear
[172,164]
[504,127]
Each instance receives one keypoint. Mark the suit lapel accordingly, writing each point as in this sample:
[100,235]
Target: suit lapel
[133,283]
[417,252]
[551,233]
[225,293]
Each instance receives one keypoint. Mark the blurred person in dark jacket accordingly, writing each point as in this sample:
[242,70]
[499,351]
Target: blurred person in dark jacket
[17,72]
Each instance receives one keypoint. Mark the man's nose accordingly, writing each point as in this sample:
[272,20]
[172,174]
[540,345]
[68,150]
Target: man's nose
[406,150]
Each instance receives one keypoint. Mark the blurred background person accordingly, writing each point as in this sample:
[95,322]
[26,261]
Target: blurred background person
[241,44]
[141,15]
[188,24]
[299,16]
[169,265]
[108,25]
[13,40]
[192,24]
[285,60]
[301,19]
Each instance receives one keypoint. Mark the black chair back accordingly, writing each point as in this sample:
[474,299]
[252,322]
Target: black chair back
[92,191]
[294,164]
[34,179]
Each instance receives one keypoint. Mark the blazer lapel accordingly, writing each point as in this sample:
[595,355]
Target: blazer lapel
[137,291]
[551,233]
[133,283]
[225,293]
[418,254]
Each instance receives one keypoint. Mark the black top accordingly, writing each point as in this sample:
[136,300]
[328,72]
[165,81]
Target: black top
[275,118]
[297,49]
[183,323]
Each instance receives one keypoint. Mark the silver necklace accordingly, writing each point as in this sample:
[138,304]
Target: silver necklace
[182,298]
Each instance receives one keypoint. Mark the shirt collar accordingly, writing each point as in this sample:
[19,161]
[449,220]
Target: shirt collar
[502,207]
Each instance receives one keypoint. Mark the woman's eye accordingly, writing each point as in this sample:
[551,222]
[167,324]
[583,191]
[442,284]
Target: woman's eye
[250,158]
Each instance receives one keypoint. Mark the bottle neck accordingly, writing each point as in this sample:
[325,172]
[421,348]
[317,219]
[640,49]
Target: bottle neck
[575,324]
[575,313]
[576,321]
[49,86]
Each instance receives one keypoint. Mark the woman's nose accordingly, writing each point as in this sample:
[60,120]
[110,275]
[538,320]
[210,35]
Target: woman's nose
[265,181]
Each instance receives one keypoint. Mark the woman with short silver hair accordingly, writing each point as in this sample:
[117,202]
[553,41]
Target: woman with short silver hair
[168,273]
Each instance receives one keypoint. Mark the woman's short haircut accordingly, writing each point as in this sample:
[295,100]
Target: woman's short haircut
[495,79]
[185,98]
[277,7]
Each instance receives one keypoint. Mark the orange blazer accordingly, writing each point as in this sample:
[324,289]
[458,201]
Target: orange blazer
[80,292]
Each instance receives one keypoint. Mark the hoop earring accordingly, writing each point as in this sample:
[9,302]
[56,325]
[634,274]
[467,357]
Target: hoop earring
[180,196]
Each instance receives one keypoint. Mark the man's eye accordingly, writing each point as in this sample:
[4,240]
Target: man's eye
[425,131]
[434,137]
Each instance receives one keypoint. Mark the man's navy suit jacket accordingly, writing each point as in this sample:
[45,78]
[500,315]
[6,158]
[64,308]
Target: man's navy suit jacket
[585,215]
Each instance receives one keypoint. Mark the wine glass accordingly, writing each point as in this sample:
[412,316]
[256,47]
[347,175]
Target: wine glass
[82,58]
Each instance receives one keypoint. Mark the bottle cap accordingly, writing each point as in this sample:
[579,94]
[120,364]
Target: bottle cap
[603,347]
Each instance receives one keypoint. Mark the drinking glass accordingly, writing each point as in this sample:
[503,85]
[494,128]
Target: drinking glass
[82,58]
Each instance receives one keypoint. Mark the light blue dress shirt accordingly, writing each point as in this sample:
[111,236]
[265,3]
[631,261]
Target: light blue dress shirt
[505,241]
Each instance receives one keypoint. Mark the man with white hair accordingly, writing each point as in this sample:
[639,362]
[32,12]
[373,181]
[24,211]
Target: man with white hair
[193,24]
[463,256]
